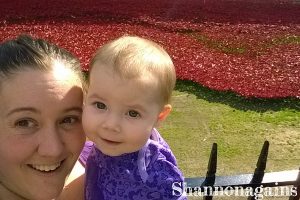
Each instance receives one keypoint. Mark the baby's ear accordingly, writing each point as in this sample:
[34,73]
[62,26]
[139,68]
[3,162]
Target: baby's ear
[164,113]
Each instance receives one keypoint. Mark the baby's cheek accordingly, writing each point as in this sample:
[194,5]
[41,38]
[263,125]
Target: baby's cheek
[87,121]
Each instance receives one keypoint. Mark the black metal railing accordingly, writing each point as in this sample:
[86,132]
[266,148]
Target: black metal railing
[213,185]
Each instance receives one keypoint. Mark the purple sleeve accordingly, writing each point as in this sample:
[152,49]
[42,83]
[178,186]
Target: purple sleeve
[85,152]
[164,176]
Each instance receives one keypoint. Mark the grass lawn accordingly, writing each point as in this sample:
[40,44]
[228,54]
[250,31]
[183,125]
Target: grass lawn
[238,125]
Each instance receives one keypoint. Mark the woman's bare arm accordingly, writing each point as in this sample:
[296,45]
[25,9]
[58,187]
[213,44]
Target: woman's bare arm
[74,188]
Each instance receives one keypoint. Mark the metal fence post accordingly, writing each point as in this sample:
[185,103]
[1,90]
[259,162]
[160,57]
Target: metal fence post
[260,167]
[211,171]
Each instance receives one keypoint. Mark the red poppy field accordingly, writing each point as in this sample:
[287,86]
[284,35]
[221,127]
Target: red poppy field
[250,47]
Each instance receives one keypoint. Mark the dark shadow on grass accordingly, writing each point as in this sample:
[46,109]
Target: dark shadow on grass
[236,101]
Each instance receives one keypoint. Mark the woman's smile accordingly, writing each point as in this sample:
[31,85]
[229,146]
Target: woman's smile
[48,168]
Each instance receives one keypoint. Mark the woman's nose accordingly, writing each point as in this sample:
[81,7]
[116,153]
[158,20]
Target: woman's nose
[51,143]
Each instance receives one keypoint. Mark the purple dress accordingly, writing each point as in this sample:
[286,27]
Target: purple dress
[146,174]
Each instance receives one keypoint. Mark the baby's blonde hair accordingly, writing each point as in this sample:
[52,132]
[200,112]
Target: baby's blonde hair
[132,57]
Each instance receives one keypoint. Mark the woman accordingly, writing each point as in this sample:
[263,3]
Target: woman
[40,118]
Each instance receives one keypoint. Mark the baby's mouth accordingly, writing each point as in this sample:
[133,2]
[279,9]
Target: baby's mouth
[45,168]
[111,142]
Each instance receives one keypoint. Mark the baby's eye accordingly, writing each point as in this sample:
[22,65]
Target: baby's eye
[100,105]
[26,123]
[133,114]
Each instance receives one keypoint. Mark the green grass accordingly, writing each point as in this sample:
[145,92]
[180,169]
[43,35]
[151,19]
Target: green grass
[239,126]
[240,49]
[294,39]
[219,45]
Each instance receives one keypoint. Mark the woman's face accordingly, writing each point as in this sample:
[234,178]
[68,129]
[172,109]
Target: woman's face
[40,133]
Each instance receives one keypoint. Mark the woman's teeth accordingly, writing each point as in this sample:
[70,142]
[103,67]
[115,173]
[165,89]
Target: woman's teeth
[46,168]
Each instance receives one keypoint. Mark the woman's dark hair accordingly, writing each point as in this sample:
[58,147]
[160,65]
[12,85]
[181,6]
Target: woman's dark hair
[25,52]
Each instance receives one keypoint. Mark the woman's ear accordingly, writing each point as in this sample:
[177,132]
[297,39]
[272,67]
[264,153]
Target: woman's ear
[164,113]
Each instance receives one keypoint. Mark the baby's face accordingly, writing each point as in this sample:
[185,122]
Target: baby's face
[119,114]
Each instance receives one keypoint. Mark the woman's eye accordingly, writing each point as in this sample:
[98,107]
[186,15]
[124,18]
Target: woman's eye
[70,120]
[100,105]
[25,123]
[133,114]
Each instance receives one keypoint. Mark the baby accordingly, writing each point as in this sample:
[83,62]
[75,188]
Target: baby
[130,86]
